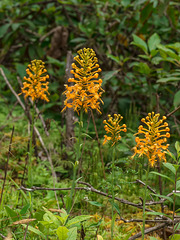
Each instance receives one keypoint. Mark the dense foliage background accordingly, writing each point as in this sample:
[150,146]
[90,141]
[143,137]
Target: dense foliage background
[138,48]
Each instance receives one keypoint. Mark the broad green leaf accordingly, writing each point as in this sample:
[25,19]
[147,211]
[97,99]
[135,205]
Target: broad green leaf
[171,155]
[34,230]
[72,234]
[167,51]
[114,58]
[153,41]
[162,196]
[14,215]
[25,209]
[62,233]
[177,194]
[175,237]
[78,219]
[21,70]
[52,218]
[99,237]
[170,167]
[168,79]
[140,43]
[162,175]
[177,146]
[108,75]
[55,62]
[146,12]
[3,29]
[178,184]
[176,101]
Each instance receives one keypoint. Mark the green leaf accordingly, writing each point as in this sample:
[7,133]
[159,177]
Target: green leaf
[153,238]
[62,233]
[94,203]
[178,184]
[72,234]
[3,29]
[109,74]
[162,175]
[170,167]
[21,70]
[177,227]
[168,79]
[166,51]
[146,12]
[114,58]
[177,146]
[162,196]
[140,43]
[25,209]
[175,237]
[153,41]
[11,213]
[157,213]
[34,230]
[176,101]
[49,216]
[171,155]
[78,219]
[177,194]
[55,62]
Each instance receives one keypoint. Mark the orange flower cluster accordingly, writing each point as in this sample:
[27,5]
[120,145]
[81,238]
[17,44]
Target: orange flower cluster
[155,135]
[86,91]
[114,128]
[36,86]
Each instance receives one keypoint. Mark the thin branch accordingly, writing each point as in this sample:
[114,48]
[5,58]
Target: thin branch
[171,113]
[149,230]
[89,188]
[1,235]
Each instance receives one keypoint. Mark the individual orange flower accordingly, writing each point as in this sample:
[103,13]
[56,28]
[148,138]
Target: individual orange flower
[155,135]
[36,85]
[114,128]
[86,91]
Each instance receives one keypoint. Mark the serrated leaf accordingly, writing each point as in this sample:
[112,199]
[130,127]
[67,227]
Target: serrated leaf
[62,233]
[162,175]
[140,43]
[176,101]
[72,234]
[153,41]
[170,167]
[78,219]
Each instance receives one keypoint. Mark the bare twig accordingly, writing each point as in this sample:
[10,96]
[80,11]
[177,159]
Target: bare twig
[1,235]
[139,181]
[171,113]
[6,167]
[149,230]
[88,188]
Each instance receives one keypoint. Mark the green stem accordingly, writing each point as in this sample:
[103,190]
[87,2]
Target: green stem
[144,202]
[30,176]
[112,190]
[78,155]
